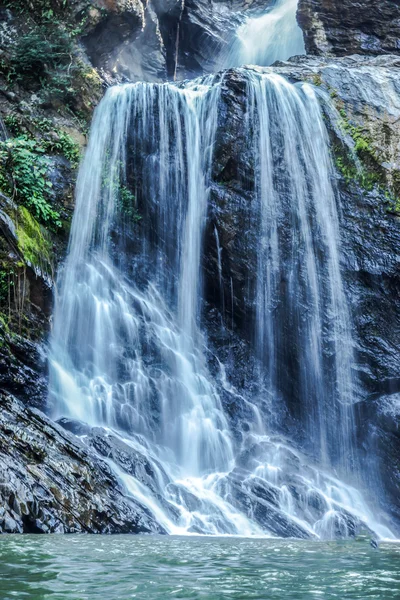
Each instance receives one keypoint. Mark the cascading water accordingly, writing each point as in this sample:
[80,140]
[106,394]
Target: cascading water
[300,300]
[263,39]
[127,348]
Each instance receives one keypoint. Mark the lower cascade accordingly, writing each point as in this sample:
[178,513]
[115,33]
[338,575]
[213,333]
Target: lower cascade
[130,358]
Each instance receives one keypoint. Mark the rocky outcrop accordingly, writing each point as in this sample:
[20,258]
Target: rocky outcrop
[123,40]
[158,40]
[349,27]
[182,39]
[50,481]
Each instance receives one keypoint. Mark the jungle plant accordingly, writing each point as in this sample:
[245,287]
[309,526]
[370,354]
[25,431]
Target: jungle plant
[23,175]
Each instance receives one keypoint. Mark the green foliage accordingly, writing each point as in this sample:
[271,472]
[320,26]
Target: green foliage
[4,327]
[6,282]
[370,175]
[317,80]
[14,124]
[44,57]
[362,143]
[58,142]
[43,9]
[38,51]
[65,145]
[348,169]
[127,202]
[125,199]
[23,173]
[33,241]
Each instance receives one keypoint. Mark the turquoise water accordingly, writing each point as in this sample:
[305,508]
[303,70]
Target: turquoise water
[155,568]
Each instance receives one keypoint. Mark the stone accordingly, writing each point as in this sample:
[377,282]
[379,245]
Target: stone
[56,483]
[350,26]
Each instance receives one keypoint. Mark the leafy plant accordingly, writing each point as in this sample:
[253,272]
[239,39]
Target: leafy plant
[6,282]
[40,50]
[13,124]
[127,203]
[43,10]
[22,159]
[65,145]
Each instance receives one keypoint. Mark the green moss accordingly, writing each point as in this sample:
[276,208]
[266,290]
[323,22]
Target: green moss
[33,241]
[4,323]
[371,175]
[350,172]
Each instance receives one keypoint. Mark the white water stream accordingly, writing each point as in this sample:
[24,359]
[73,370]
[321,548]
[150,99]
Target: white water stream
[264,39]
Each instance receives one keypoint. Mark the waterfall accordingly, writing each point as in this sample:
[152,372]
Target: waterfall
[300,300]
[266,38]
[99,372]
[128,351]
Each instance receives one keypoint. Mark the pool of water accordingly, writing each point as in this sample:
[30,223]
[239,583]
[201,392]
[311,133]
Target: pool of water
[157,568]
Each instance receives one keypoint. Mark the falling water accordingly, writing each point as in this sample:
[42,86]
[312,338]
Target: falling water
[300,298]
[264,39]
[127,350]
[99,370]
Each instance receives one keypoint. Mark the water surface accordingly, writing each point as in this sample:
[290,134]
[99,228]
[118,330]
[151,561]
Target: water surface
[156,568]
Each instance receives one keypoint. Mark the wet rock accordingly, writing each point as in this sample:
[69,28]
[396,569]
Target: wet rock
[53,482]
[144,468]
[23,369]
[366,91]
[378,437]
[50,482]
[76,427]
[130,459]
[124,40]
[244,494]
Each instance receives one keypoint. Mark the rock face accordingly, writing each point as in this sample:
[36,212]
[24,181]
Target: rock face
[156,40]
[50,482]
[349,27]
[38,122]
[123,39]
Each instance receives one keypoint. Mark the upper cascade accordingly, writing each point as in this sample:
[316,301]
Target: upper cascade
[264,39]
[129,348]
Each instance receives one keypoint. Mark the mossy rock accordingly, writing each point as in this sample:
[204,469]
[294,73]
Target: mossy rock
[34,242]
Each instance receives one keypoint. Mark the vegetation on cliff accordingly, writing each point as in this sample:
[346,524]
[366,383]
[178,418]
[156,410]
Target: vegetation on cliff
[48,90]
